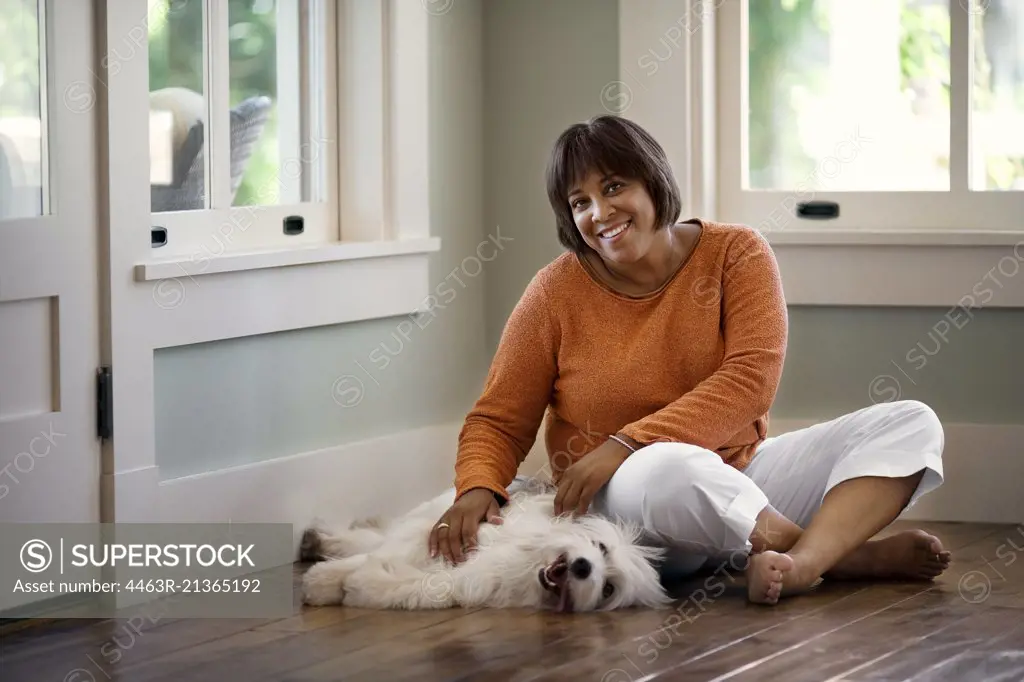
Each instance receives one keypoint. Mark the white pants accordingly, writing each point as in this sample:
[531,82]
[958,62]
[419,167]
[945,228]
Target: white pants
[688,500]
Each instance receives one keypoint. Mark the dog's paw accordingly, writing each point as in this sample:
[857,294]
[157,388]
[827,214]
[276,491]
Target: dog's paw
[311,546]
[320,587]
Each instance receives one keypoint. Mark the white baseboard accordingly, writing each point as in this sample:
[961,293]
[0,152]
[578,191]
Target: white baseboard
[391,474]
[381,476]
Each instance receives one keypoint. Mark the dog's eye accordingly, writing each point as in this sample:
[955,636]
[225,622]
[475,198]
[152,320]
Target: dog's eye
[608,591]
[604,550]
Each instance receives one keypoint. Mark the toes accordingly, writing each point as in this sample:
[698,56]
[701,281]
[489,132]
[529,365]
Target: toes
[935,546]
[772,593]
[766,576]
[932,569]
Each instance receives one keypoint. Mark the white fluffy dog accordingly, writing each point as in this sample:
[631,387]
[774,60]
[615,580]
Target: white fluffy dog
[531,560]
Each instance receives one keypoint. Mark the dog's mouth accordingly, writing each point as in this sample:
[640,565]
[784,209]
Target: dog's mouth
[555,579]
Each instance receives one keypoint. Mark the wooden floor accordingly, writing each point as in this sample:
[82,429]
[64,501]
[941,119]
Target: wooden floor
[967,625]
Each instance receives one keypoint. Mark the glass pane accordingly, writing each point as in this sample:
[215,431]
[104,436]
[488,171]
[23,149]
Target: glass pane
[23,167]
[997,116]
[848,95]
[177,106]
[275,154]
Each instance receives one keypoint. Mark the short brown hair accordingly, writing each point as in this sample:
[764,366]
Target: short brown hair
[608,144]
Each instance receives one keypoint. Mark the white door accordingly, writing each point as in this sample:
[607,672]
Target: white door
[49,292]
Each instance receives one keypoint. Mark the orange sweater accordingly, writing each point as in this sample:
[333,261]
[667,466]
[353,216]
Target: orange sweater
[698,361]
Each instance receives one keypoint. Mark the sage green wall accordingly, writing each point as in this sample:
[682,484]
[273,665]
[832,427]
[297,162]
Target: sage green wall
[251,399]
[545,64]
[840,359]
[508,76]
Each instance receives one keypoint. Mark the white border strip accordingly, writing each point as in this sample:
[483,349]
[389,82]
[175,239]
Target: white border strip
[271,258]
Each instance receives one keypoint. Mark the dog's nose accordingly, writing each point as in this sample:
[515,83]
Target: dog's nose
[580,568]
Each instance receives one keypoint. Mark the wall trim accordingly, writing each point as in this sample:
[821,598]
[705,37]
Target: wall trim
[380,476]
[183,311]
[276,257]
[975,277]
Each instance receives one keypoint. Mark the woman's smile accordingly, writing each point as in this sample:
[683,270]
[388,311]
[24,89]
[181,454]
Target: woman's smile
[614,233]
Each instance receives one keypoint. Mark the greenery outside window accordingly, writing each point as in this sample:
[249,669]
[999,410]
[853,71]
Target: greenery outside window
[904,114]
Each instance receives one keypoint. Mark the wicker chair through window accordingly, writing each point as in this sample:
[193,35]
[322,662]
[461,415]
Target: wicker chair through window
[187,191]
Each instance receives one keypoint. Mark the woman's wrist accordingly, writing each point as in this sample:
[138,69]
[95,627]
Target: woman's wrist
[626,442]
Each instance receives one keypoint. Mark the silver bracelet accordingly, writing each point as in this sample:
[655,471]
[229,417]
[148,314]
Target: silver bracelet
[619,440]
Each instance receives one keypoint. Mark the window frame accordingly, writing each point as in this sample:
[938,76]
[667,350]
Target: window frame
[200,235]
[373,137]
[942,213]
[677,98]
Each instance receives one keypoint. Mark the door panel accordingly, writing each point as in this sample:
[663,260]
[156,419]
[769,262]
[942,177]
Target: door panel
[49,274]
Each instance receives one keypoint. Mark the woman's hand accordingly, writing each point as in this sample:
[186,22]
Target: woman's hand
[582,480]
[455,532]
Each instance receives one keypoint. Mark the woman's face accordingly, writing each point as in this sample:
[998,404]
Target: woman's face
[614,215]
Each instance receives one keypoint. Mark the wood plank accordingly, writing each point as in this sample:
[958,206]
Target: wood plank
[270,653]
[989,647]
[848,645]
[313,618]
[843,631]
[106,647]
[989,571]
[102,643]
[418,654]
[724,636]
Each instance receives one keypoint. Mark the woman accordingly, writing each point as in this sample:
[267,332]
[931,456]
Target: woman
[656,348]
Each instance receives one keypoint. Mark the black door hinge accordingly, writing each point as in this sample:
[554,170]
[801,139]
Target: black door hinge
[104,403]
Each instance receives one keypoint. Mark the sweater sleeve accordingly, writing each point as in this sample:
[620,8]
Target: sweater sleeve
[755,329]
[502,426]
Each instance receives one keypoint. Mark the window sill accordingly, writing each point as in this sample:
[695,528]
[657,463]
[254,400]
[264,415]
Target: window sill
[940,237]
[258,259]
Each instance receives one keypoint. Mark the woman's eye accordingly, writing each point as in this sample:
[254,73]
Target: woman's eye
[614,186]
[608,591]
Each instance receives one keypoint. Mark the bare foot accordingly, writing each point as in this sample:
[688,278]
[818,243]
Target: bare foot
[766,574]
[910,555]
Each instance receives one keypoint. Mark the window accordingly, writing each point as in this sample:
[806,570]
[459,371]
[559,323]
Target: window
[240,125]
[905,114]
[23,117]
[269,115]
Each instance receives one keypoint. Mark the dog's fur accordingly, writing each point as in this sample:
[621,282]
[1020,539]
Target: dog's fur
[531,560]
